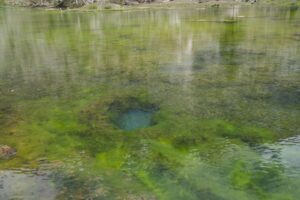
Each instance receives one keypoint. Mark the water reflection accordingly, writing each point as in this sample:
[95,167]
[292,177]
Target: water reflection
[229,52]
[70,50]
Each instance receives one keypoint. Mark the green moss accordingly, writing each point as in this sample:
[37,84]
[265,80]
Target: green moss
[151,184]
[240,176]
[111,160]
[248,134]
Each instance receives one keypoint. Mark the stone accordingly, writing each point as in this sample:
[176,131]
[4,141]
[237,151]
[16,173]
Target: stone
[7,152]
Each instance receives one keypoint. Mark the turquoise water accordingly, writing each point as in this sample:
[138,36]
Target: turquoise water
[183,103]
[135,119]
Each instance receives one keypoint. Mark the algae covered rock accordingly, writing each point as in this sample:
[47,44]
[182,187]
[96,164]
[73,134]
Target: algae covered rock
[7,152]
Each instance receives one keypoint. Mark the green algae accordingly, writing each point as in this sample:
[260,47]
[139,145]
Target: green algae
[218,91]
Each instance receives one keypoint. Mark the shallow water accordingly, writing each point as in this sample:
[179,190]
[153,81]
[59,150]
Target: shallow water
[135,119]
[224,84]
[285,152]
[20,185]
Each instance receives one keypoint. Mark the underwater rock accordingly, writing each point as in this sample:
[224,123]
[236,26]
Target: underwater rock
[7,152]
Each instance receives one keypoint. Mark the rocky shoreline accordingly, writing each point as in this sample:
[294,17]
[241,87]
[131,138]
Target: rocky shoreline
[116,4]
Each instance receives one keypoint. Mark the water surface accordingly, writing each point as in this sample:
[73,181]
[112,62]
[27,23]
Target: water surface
[135,119]
[226,82]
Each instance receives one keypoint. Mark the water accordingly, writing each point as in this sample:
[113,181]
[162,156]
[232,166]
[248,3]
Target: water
[285,152]
[18,185]
[135,119]
[226,82]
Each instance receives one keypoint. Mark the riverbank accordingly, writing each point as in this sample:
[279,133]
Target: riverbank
[114,4]
[129,4]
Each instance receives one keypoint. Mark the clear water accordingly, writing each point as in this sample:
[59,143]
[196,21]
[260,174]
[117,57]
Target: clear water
[226,82]
[25,186]
[135,119]
[285,152]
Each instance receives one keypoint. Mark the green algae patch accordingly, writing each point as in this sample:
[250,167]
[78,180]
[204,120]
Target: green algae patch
[111,160]
[248,134]
[240,176]
[198,132]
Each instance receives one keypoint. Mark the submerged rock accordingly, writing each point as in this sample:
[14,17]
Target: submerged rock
[7,152]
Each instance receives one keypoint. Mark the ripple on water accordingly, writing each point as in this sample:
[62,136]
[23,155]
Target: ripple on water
[285,152]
